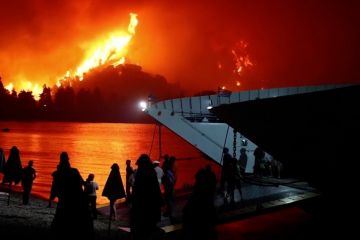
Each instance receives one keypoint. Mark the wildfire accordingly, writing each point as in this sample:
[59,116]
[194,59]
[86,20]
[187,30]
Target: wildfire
[27,86]
[241,57]
[9,87]
[240,61]
[111,50]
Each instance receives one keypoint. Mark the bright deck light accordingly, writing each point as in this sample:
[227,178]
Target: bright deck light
[143,105]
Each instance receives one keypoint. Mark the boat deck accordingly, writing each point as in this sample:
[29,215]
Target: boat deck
[260,194]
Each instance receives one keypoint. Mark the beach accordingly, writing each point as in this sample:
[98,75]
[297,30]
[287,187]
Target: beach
[33,221]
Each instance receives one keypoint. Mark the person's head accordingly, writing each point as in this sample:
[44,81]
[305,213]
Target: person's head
[14,151]
[156,163]
[143,161]
[115,167]
[208,167]
[64,160]
[91,177]
[225,150]
[128,162]
[30,163]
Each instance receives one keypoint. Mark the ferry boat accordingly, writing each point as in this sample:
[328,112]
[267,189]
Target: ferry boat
[309,128]
[312,130]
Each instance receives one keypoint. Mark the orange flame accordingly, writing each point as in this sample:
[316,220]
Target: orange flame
[111,50]
[36,89]
[9,87]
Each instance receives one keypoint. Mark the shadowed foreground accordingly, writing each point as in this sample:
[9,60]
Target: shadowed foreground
[315,218]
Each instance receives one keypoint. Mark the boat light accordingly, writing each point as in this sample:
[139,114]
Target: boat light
[143,105]
[210,106]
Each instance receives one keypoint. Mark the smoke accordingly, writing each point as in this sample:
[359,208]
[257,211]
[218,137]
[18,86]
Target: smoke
[289,42]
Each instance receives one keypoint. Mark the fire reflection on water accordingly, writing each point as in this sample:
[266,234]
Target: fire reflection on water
[93,147]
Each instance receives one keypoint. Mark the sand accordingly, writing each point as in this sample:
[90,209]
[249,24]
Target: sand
[33,220]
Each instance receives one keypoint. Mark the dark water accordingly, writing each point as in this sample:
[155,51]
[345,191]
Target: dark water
[94,147]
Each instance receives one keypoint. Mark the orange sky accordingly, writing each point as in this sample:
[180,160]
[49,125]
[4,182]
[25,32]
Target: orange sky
[290,42]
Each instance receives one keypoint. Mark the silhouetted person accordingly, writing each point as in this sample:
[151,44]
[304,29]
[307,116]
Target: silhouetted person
[90,189]
[227,175]
[276,168]
[168,182]
[243,161]
[129,180]
[28,177]
[72,217]
[225,169]
[146,200]
[174,167]
[259,156]
[2,160]
[114,188]
[53,189]
[206,178]
[237,180]
[199,213]
[13,167]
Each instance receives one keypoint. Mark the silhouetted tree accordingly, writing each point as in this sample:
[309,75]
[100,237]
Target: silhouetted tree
[108,94]
[83,104]
[26,105]
[99,106]
[3,100]
[3,90]
[46,104]
[65,103]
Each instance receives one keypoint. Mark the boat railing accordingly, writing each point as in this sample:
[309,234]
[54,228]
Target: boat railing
[197,107]
[200,117]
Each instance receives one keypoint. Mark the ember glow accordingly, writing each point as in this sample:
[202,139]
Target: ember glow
[235,65]
[241,57]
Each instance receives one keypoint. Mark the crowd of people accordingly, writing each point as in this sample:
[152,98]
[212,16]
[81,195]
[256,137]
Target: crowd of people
[76,198]
[148,191]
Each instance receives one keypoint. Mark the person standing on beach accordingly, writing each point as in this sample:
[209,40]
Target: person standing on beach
[13,167]
[28,177]
[90,189]
[130,178]
[72,217]
[114,188]
[53,189]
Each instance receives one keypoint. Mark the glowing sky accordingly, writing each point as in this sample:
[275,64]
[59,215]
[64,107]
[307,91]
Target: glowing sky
[289,42]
